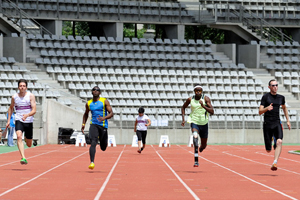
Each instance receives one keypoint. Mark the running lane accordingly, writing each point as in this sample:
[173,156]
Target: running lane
[221,176]
[63,174]
[143,176]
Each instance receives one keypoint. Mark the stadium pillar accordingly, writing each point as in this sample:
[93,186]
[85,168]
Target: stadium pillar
[295,32]
[54,26]
[113,29]
[175,31]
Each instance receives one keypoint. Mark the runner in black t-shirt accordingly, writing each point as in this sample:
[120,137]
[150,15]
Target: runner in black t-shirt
[270,104]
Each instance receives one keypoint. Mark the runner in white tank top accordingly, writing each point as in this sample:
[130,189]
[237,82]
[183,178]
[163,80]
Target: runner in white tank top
[25,106]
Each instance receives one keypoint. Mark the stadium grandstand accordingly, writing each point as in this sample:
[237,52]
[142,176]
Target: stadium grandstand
[261,43]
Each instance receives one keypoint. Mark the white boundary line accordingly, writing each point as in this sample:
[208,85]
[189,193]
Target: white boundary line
[33,156]
[257,162]
[245,177]
[280,157]
[40,175]
[108,176]
[181,181]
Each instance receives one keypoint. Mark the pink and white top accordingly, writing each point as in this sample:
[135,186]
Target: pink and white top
[141,122]
[23,106]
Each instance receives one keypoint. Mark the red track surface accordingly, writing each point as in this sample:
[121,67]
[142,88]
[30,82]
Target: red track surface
[225,172]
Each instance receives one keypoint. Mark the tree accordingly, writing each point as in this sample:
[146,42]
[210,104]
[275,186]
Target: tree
[204,33]
[81,28]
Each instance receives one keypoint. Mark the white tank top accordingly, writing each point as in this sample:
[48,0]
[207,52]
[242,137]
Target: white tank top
[23,106]
[141,122]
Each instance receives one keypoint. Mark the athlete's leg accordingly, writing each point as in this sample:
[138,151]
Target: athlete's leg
[278,149]
[28,128]
[139,136]
[196,146]
[93,134]
[267,137]
[144,135]
[20,143]
[203,144]
[278,133]
[103,138]
[203,135]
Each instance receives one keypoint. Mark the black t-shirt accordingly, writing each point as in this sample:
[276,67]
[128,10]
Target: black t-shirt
[277,100]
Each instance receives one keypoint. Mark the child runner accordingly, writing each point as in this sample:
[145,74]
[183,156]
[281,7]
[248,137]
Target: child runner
[140,127]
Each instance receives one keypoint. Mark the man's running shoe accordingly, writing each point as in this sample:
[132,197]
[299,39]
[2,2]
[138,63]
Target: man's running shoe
[196,164]
[23,161]
[139,151]
[92,165]
[274,167]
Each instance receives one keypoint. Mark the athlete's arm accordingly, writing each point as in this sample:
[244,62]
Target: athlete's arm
[33,107]
[263,109]
[184,106]
[135,125]
[209,108]
[85,117]
[10,111]
[285,111]
[109,110]
[149,122]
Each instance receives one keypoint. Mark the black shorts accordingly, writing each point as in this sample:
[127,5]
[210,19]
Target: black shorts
[141,135]
[270,130]
[97,132]
[25,127]
[202,129]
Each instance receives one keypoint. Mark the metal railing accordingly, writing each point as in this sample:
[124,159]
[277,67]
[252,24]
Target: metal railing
[254,23]
[23,21]
[226,123]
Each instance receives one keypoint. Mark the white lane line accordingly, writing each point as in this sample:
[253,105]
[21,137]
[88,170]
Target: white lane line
[40,175]
[181,181]
[258,162]
[108,176]
[270,188]
[34,156]
[280,157]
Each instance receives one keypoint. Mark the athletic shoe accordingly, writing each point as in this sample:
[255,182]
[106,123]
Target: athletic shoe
[196,164]
[139,151]
[92,165]
[274,167]
[23,161]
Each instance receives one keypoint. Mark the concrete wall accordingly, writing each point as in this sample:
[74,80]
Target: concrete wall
[175,31]
[15,47]
[1,45]
[58,115]
[54,26]
[113,29]
[228,49]
[215,136]
[249,55]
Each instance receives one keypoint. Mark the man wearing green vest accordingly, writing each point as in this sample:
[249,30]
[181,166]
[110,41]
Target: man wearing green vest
[200,107]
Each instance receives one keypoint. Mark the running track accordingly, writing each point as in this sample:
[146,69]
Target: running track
[225,172]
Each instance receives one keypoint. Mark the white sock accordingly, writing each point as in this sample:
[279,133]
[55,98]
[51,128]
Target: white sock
[275,162]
